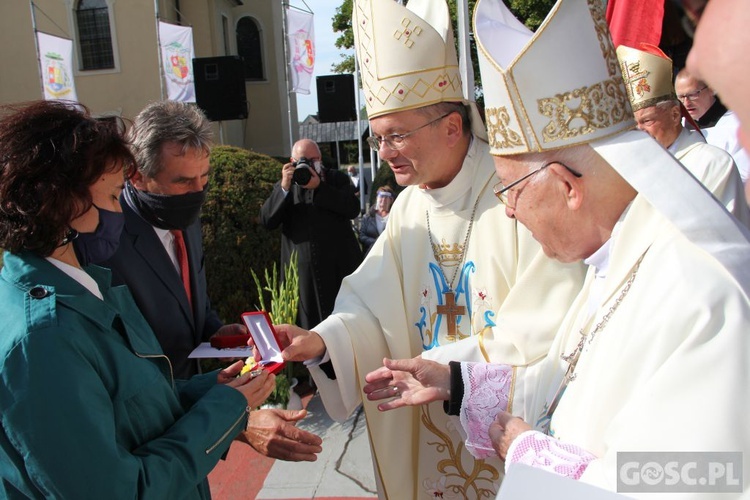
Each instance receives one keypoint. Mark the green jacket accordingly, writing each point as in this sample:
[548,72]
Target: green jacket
[88,406]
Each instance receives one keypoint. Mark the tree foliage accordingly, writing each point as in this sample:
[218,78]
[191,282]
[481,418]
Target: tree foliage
[233,239]
[342,23]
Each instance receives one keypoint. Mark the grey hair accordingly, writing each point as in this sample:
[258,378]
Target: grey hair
[444,108]
[164,122]
[668,104]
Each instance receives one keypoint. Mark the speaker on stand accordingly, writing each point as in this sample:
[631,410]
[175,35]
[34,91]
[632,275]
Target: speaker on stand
[220,87]
[336,98]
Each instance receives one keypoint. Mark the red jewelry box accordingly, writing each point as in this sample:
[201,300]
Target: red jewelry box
[264,336]
[228,341]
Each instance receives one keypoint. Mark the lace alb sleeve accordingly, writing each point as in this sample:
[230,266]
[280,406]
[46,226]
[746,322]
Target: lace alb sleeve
[547,453]
[486,389]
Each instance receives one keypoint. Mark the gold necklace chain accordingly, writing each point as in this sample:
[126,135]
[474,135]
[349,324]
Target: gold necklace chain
[463,249]
[573,357]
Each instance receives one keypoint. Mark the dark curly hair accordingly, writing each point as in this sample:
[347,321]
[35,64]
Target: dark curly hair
[51,152]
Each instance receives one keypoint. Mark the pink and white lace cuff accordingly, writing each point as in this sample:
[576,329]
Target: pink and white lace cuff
[547,453]
[486,389]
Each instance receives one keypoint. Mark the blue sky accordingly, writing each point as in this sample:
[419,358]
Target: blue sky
[326,53]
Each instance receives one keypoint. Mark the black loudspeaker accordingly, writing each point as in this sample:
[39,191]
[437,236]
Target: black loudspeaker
[336,98]
[220,87]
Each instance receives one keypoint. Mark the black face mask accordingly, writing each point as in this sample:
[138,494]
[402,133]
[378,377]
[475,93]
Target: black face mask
[165,211]
[97,247]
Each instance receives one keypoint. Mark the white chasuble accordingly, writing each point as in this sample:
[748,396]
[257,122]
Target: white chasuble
[507,301]
[715,169]
[666,371]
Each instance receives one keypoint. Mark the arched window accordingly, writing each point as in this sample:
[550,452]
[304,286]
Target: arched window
[248,47]
[94,35]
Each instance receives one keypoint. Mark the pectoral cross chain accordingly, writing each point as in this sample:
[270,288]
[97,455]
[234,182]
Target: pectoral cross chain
[452,311]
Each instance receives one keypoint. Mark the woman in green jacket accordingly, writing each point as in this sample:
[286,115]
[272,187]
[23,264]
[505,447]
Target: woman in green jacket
[88,405]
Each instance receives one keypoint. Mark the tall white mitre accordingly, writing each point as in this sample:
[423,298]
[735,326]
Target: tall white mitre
[562,86]
[541,90]
[407,55]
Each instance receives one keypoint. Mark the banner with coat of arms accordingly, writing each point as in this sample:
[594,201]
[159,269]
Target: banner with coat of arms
[301,44]
[56,65]
[177,60]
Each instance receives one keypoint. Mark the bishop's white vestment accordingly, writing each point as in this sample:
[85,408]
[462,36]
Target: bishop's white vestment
[715,169]
[510,299]
[724,135]
[668,371]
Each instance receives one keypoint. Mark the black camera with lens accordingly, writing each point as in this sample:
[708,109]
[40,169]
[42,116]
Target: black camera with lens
[302,175]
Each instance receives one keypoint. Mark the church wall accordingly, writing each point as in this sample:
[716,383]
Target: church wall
[136,78]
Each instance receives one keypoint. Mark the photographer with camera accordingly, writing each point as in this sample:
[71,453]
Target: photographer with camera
[314,206]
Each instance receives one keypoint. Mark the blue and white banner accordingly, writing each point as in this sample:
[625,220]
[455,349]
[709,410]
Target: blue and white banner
[177,60]
[56,66]
[301,42]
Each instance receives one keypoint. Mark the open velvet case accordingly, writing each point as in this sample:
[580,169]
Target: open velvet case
[259,325]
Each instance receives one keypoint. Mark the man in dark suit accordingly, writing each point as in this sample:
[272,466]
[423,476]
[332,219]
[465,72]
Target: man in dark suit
[160,256]
[162,205]
[315,214]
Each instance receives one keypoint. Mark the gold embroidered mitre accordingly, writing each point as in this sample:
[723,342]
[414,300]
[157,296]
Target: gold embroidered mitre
[647,74]
[558,87]
[407,55]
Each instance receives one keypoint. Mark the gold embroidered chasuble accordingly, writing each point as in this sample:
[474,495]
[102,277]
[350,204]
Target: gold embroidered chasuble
[513,297]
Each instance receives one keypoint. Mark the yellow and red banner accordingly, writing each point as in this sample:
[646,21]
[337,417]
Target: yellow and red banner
[177,61]
[56,66]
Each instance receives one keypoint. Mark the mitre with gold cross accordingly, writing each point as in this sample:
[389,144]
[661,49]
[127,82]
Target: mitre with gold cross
[647,73]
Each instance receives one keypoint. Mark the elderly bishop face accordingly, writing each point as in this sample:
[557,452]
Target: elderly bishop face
[578,118]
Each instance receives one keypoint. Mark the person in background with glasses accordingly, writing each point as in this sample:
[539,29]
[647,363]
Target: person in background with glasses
[450,277]
[718,124]
[647,73]
[314,207]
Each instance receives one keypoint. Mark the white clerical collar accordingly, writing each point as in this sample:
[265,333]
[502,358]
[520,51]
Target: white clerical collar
[673,148]
[79,275]
[459,186]
[600,261]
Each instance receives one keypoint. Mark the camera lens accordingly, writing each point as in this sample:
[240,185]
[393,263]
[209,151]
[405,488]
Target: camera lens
[302,174]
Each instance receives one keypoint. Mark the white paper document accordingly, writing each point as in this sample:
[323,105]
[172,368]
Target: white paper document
[205,350]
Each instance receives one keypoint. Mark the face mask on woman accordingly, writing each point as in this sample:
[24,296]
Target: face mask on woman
[99,246]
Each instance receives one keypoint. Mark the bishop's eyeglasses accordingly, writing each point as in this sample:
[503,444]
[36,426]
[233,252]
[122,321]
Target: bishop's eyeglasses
[503,192]
[396,141]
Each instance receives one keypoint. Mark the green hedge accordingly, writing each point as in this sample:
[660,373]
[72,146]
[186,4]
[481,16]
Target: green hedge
[234,241]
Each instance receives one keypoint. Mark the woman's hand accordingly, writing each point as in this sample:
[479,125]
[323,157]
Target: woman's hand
[256,386]
[230,372]
[411,382]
